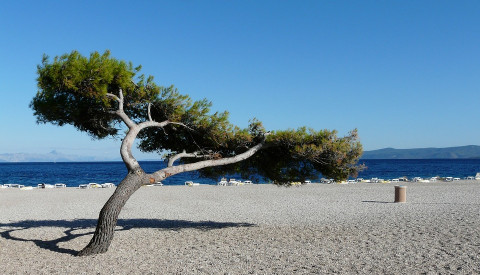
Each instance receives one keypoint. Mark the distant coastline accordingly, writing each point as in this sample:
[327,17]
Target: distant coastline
[52,156]
[459,152]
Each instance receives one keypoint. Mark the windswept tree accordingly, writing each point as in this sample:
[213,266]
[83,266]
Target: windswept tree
[106,97]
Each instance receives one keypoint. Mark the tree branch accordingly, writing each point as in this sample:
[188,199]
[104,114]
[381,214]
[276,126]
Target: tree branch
[185,155]
[149,114]
[134,129]
[173,170]
[120,112]
[113,96]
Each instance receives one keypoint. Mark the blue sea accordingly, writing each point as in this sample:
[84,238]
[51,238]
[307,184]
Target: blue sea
[76,173]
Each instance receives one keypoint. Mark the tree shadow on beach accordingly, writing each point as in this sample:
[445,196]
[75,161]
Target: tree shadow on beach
[6,229]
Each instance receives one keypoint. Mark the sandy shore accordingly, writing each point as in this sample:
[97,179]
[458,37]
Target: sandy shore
[259,229]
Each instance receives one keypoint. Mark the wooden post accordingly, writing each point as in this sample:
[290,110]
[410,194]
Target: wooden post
[400,193]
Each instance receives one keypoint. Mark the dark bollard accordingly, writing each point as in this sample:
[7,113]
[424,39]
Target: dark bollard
[400,193]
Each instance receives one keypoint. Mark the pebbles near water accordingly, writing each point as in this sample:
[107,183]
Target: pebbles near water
[258,229]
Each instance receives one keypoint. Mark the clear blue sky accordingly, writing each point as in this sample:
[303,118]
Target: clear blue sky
[405,73]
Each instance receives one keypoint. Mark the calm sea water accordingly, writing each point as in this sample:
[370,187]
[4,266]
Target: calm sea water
[75,173]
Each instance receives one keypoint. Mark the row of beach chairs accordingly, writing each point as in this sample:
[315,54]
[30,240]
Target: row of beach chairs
[57,185]
[96,185]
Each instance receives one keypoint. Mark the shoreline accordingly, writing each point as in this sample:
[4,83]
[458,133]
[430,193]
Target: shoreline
[75,174]
[260,229]
[472,179]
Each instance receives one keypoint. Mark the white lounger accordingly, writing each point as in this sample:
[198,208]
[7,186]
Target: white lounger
[45,186]
[223,182]
[108,185]
[16,185]
[191,183]
[94,185]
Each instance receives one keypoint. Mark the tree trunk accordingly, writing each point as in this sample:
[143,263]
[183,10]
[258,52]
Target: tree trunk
[108,217]
[136,177]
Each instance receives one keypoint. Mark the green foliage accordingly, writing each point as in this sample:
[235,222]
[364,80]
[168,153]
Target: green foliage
[300,154]
[73,90]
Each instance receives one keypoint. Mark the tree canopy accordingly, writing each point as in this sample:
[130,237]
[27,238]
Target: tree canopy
[100,95]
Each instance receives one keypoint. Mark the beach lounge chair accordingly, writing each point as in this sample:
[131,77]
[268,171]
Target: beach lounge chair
[191,183]
[223,182]
[45,186]
[17,185]
[94,185]
[107,185]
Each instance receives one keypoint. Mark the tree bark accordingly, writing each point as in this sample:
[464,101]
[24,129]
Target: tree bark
[136,177]
[108,217]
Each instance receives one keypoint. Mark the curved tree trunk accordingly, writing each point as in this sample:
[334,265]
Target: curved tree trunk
[108,217]
[136,177]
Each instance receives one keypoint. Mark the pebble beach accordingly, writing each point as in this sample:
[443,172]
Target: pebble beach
[251,229]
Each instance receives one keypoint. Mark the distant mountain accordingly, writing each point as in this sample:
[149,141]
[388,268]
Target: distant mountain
[53,156]
[461,152]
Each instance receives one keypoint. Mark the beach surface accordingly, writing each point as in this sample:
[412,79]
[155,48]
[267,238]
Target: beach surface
[252,229]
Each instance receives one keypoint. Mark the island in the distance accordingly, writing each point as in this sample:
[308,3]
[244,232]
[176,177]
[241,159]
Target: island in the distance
[460,152]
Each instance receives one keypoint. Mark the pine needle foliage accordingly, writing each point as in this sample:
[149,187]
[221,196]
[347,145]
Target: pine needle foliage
[74,90]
